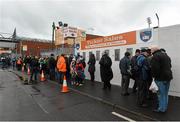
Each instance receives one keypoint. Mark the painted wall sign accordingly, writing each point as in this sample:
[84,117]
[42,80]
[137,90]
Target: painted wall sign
[110,41]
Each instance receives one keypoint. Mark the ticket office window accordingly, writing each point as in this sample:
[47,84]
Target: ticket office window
[97,55]
[117,54]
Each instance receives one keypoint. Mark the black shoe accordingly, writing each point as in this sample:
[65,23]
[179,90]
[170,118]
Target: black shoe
[125,94]
[104,88]
[134,91]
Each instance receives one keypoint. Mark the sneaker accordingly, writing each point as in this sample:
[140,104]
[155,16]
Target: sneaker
[80,84]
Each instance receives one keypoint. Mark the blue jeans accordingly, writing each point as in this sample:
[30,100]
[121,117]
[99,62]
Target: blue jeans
[163,94]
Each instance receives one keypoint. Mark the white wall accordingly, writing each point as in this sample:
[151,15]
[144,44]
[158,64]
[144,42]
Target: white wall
[115,64]
[166,37]
[169,39]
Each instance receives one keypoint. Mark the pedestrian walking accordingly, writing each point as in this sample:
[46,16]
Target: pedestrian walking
[162,74]
[105,70]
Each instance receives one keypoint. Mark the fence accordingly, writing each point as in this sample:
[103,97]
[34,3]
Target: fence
[57,51]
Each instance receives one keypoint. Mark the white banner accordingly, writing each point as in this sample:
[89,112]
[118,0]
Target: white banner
[70,32]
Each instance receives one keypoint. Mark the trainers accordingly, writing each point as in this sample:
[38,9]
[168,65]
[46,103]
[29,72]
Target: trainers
[80,84]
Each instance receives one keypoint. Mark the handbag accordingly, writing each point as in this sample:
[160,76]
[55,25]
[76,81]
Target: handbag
[153,87]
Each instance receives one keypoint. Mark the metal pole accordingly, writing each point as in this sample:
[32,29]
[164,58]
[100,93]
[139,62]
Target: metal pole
[74,46]
[157,18]
[53,28]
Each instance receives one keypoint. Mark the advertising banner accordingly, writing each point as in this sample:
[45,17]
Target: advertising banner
[24,47]
[70,32]
[110,41]
[145,35]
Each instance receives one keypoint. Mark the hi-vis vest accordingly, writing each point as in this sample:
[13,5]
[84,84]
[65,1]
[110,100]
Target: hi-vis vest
[19,61]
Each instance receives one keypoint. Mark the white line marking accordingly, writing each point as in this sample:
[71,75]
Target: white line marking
[42,108]
[121,116]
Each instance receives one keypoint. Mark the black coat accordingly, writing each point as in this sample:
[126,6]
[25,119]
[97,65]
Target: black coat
[161,66]
[34,64]
[51,63]
[124,65]
[91,63]
[105,68]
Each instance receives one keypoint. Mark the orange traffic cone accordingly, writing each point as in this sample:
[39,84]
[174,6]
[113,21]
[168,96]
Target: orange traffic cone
[28,71]
[42,76]
[64,87]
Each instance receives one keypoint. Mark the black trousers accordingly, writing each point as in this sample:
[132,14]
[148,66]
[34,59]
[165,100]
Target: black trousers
[107,84]
[125,83]
[142,92]
[61,77]
[92,75]
[135,84]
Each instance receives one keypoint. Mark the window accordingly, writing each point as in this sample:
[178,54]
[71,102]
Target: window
[84,55]
[97,55]
[130,50]
[117,54]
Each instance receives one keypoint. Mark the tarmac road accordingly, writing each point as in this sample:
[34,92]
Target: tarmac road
[44,101]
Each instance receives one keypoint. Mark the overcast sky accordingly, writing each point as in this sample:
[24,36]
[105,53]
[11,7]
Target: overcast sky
[33,18]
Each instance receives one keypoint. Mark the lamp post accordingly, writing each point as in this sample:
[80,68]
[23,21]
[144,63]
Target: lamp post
[149,21]
[157,19]
[53,28]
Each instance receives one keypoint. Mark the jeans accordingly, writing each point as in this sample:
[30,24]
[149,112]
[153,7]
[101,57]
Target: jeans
[52,73]
[125,83]
[163,94]
[34,73]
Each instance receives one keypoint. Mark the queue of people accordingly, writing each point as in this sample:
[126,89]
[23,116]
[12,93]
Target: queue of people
[147,65]
[144,67]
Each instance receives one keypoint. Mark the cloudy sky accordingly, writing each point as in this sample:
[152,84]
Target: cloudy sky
[33,18]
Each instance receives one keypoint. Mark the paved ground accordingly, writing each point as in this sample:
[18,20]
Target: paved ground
[45,102]
[125,105]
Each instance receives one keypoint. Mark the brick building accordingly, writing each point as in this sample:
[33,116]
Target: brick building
[33,46]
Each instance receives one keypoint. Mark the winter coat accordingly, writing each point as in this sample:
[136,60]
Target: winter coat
[105,68]
[91,63]
[51,63]
[144,68]
[80,70]
[34,64]
[161,66]
[124,65]
[61,64]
